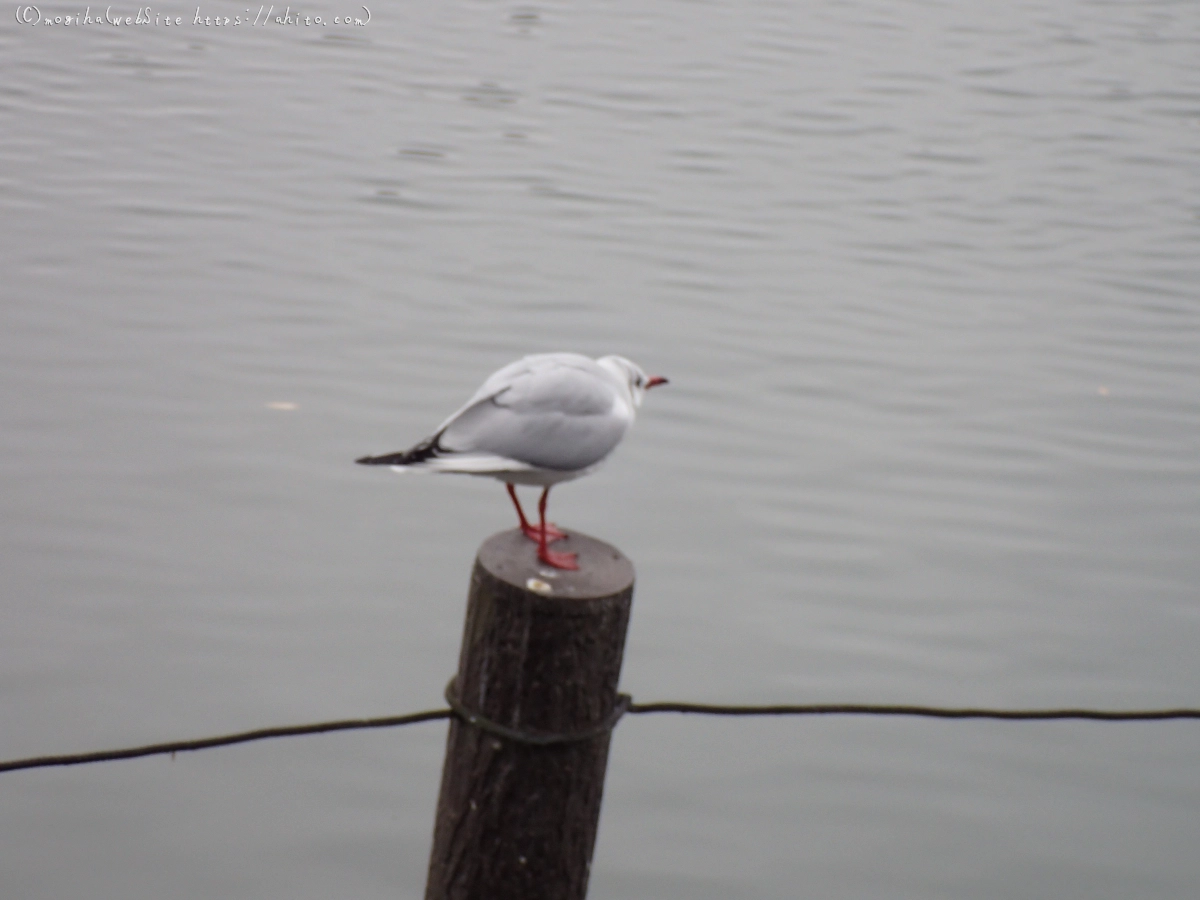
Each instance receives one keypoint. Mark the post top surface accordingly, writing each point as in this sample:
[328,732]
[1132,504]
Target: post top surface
[603,569]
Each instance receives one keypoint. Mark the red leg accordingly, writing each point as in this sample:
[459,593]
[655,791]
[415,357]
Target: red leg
[525,526]
[549,557]
[534,534]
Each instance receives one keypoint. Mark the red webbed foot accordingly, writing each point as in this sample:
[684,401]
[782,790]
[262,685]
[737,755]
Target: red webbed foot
[552,533]
[558,560]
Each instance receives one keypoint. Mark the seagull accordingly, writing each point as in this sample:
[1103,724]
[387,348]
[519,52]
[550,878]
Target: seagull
[541,420]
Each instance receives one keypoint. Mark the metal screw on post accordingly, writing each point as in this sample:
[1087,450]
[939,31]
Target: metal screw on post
[536,698]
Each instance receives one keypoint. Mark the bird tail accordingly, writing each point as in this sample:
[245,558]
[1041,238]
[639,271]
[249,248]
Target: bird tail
[427,449]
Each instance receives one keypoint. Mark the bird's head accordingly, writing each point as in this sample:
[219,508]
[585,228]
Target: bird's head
[631,374]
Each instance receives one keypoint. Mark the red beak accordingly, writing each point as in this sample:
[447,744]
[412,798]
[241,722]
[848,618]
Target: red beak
[654,380]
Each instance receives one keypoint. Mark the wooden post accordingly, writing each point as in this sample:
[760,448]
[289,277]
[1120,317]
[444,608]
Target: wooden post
[541,656]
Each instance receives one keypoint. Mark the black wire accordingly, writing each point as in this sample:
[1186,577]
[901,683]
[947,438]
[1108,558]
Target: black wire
[935,712]
[243,737]
[819,709]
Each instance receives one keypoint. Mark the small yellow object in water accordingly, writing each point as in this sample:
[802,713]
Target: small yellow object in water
[282,405]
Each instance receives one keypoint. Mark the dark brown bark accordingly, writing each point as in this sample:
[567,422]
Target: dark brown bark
[541,653]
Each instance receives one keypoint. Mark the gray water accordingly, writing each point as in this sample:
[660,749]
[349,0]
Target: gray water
[923,276]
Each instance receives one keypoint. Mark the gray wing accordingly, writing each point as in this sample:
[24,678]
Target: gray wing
[555,411]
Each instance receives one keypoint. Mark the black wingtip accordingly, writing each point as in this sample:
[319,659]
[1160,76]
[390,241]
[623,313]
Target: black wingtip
[390,459]
[417,454]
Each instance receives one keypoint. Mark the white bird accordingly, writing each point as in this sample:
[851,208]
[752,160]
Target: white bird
[543,419]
